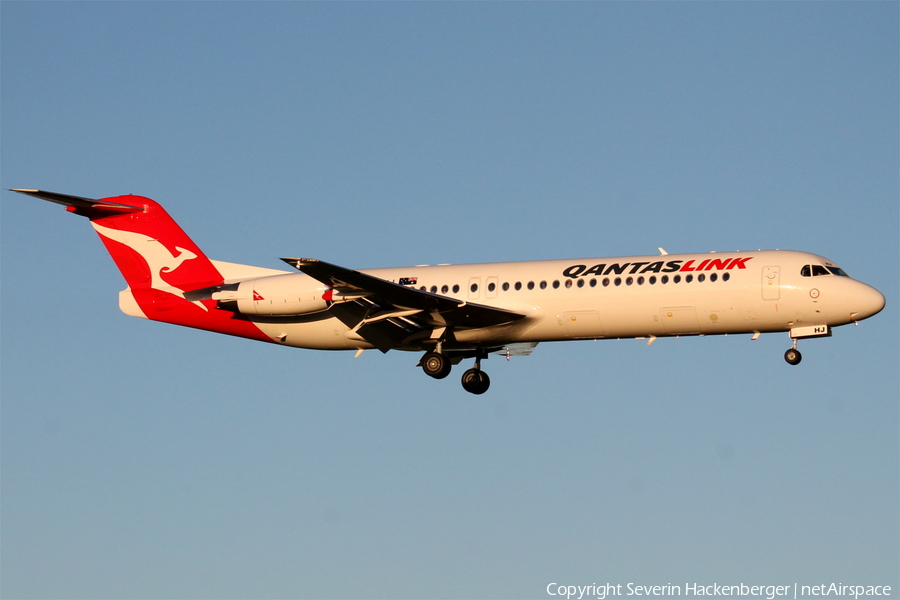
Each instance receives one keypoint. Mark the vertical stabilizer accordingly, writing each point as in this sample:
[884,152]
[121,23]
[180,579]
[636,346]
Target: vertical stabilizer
[158,261]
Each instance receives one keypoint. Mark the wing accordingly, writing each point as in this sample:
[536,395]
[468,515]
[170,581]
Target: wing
[388,315]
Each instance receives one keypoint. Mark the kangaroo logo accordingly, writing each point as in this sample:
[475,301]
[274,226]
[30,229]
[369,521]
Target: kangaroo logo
[159,258]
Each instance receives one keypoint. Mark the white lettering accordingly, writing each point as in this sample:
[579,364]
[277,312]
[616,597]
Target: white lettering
[654,590]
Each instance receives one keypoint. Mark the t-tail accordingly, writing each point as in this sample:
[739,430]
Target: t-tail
[158,260]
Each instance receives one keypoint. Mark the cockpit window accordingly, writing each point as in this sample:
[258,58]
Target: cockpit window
[817,270]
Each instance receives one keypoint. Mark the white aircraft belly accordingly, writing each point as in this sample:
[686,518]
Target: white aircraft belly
[326,334]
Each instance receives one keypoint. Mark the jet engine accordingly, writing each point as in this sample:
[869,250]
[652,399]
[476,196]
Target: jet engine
[275,296]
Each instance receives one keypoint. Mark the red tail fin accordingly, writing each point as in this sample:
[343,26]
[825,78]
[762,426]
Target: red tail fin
[158,260]
[151,250]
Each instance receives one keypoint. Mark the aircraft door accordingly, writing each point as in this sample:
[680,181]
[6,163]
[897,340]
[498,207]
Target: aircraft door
[474,287]
[771,284]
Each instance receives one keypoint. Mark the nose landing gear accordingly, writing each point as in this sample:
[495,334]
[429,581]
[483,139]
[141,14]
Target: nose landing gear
[793,356]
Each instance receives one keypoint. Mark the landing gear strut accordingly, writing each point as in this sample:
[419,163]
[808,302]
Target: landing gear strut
[476,381]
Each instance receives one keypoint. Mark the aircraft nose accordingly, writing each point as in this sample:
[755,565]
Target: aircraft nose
[868,301]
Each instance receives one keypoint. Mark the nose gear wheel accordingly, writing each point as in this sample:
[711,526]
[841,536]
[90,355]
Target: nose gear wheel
[793,356]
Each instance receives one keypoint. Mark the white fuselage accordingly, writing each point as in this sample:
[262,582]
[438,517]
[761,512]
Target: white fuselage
[620,297]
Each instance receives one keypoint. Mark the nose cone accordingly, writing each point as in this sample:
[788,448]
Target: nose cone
[867,302]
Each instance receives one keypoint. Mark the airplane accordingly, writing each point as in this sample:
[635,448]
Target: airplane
[457,312]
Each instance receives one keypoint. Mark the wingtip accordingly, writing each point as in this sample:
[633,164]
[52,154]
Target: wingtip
[299,262]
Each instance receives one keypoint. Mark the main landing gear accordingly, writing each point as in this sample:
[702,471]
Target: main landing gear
[435,365]
[474,381]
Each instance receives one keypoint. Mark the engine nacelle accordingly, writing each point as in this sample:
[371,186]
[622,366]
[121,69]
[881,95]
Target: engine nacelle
[275,296]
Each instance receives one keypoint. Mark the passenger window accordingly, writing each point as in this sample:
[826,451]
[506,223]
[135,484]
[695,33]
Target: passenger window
[665,279]
[593,283]
[676,279]
[580,283]
[726,276]
[473,288]
[530,285]
[455,288]
[606,282]
[652,279]
[543,285]
[518,285]
[505,286]
[618,281]
[492,286]
[556,284]
[434,289]
[444,289]
[701,277]
[689,279]
[713,277]
[641,280]
[629,281]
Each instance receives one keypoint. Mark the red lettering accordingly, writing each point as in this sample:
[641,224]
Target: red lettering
[717,264]
[739,263]
[687,266]
[701,265]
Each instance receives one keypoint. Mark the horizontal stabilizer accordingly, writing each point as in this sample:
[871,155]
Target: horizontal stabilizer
[85,206]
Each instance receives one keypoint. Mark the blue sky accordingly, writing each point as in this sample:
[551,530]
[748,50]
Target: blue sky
[142,460]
